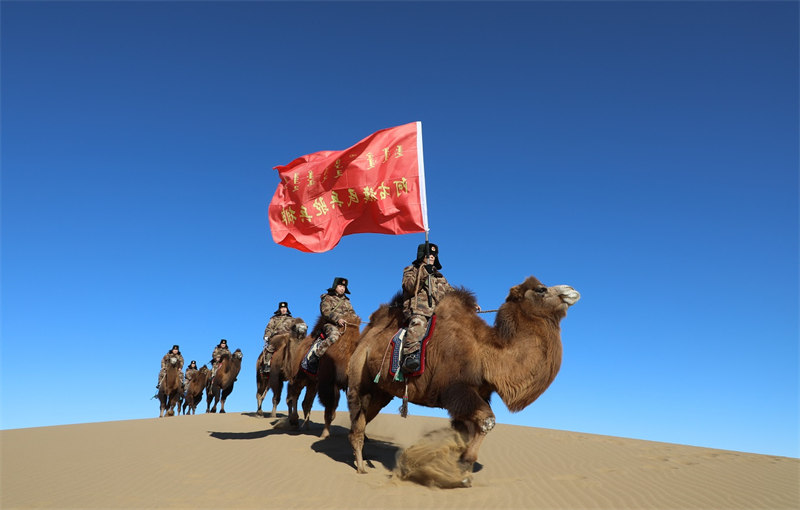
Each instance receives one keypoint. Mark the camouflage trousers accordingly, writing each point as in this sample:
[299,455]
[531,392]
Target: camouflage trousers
[417,324]
[332,334]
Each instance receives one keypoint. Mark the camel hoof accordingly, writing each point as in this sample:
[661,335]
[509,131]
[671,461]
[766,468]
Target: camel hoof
[260,412]
[325,434]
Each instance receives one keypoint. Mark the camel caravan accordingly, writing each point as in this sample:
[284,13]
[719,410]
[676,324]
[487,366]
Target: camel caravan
[427,345]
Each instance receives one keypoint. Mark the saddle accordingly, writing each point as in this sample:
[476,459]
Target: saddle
[397,351]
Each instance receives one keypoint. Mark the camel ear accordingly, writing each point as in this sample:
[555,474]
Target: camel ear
[515,294]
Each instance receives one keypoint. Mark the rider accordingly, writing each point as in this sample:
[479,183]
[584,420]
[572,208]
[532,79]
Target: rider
[423,288]
[191,371]
[334,306]
[222,347]
[175,352]
[280,322]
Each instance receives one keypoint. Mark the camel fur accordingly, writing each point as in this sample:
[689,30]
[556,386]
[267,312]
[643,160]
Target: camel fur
[194,392]
[169,392]
[222,384]
[331,374]
[274,379]
[467,361]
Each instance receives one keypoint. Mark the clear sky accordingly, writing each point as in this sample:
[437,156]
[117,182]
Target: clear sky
[645,153]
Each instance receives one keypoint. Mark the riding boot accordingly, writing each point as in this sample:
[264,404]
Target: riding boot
[267,361]
[311,362]
[411,362]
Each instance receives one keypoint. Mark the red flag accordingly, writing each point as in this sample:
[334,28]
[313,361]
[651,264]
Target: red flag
[377,185]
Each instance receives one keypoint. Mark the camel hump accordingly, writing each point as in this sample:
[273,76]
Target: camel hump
[225,355]
[462,295]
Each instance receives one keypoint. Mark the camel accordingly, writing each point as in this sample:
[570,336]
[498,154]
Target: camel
[466,361]
[274,379]
[331,376]
[194,393]
[169,391]
[221,385]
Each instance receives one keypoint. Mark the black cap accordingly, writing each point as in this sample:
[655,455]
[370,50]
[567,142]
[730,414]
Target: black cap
[281,305]
[427,248]
[339,281]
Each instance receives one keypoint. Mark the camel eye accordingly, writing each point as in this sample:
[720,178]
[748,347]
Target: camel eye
[541,290]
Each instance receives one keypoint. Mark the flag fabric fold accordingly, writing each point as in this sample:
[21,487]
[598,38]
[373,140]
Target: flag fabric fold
[375,186]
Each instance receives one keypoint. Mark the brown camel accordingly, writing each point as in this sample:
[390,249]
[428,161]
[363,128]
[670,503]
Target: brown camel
[194,393]
[466,361]
[331,376]
[169,392]
[222,384]
[274,378]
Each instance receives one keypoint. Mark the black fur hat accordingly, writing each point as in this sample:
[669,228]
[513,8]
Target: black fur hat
[283,303]
[428,248]
[175,347]
[222,342]
[339,280]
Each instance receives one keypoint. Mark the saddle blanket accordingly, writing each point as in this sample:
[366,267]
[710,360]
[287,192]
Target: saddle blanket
[397,349]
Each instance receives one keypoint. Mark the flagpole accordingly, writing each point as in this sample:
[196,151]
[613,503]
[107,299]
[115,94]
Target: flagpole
[423,197]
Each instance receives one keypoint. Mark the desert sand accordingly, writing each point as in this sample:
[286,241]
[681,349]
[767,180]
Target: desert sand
[239,460]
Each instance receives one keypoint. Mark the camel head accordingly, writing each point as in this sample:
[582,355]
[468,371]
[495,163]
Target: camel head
[537,299]
[173,361]
[237,354]
[299,329]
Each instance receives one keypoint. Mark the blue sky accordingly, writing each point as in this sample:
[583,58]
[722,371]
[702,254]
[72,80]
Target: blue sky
[645,153]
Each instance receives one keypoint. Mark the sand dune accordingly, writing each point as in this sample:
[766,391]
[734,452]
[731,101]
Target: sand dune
[245,461]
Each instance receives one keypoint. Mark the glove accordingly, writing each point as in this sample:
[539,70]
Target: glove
[430,268]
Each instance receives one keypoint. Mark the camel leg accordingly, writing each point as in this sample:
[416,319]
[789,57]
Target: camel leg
[224,397]
[332,402]
[308,402]
[292,394]
[363,408]
[261,394]
[465,405]
[277,389]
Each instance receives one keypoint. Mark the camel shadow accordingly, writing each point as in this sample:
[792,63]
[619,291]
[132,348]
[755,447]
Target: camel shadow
[337,447]
[279,426]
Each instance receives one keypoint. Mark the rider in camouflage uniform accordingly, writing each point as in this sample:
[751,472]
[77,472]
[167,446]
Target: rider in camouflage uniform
[423,288]
[334,306]
[191,371]
[281,322]
[175,352]
[221,348]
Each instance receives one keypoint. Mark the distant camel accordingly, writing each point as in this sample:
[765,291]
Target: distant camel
[221,385]
[331,375]
[274,378]
[466,361]
[194,393]
[169,391]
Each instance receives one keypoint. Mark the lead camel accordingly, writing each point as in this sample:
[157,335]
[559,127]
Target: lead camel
[466,361]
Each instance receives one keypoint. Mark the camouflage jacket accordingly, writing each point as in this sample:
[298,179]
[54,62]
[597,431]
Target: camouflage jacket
[190,373]
[418,285]
[217,353]
[167,356]
[278,324]
[334,307]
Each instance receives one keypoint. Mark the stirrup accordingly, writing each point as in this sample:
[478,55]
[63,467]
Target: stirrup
[410,362]
[310,363]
